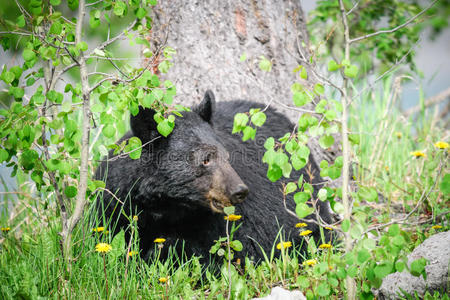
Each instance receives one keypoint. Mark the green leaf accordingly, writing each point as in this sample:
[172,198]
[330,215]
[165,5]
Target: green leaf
[55,2]
[56,28]
[333,66]
[269,143]
[300,98]
[20,21]
[323,289]
[298,162]
[274,173]
[82,46]
[70,191]
[117,246]
[243,57]
[4,155]
[363,256]
[265,64]
[8,77]
[303,210]
[304,74]
[120,8]
[229,210]
[351,71]
[394,230]
[291,187]
[55,96]
[28,55]
[286,168]
[418,267]
[367,193]
[330,115]
[140,13]
[134,148]
[345,225]
[319,89]
[109,131]
[249,133]
[236,245]
[383,269]
[28,159]
[17,92]
[322,194]
[445,184]
[326,141]
[164,128]
[301,197]
[259,119]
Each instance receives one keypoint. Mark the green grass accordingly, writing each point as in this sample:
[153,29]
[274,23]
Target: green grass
[31,265]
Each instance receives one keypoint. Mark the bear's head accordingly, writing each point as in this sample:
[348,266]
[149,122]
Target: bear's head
[190,168]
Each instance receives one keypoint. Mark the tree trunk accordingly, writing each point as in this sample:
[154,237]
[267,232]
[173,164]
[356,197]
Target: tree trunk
[210,37]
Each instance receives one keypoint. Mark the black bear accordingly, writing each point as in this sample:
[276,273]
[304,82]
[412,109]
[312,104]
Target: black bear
[181,183]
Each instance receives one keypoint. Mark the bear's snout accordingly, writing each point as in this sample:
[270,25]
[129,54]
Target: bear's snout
[239,194]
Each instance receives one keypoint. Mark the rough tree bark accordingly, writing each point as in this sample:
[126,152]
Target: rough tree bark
[210,36]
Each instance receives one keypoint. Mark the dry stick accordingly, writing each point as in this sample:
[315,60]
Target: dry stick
[429,102]
[393,29]
[350,282]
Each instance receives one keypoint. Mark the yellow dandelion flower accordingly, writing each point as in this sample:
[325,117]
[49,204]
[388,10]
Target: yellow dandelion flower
[436,227]
[310,262]
[305,232]
[328,228]
[441,145]
[418,154]
[398,135]
[159,240]
[301,225]
[163,279]
[325,246]
[103,248]
[386,168]
[135,218]
[284,245]
[5,229]
[98,229]
[133,253]
[106,232]
[232,218]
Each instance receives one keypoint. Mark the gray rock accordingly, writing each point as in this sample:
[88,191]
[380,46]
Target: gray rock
[436,250]
[278,293]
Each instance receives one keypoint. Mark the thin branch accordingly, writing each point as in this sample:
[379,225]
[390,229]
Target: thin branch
[15,32]
[393,29]
[354,7]
[387,72]
[429,102]
[110,41]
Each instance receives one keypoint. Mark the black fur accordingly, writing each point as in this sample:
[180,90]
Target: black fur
[166,186]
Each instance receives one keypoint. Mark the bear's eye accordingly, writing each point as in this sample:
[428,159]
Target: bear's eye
[207,159]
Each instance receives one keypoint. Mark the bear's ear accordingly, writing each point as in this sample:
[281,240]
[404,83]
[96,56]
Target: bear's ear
[143,125]
[206,108]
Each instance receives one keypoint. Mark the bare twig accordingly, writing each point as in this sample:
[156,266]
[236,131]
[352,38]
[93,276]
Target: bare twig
[393,29]
[444,95]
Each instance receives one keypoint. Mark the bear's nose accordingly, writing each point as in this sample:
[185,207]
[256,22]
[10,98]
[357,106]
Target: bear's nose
[239,194]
